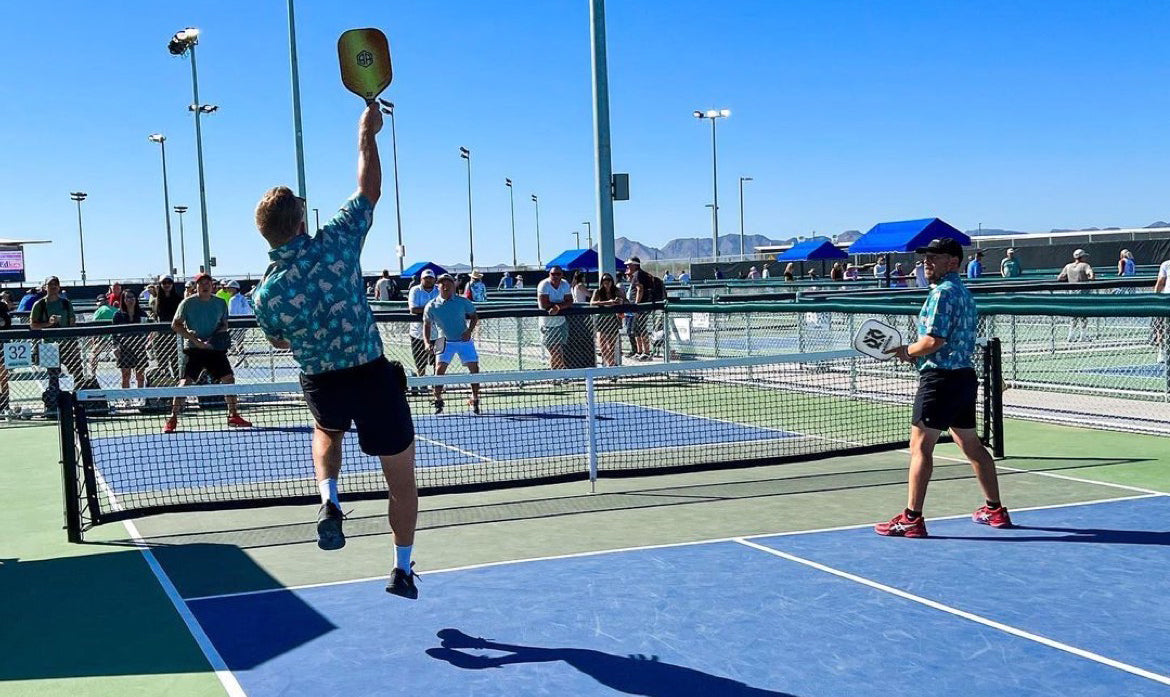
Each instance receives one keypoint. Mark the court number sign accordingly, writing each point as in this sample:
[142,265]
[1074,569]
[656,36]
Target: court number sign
[18,354]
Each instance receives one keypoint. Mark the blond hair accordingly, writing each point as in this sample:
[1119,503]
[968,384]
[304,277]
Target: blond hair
[279,215]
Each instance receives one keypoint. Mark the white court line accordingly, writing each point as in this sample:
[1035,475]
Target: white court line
[1052,643]
[461,451]
[639,548]
[226,678]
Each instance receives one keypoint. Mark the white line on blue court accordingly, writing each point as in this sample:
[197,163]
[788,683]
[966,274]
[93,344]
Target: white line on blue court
[461,451]
[639,548]
[1052,643]
[224,674]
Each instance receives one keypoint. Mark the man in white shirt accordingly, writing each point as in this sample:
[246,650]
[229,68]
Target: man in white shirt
[920,275]
[684,277]
[417,301]
[668,277]
[382,287]
[553,295]
[1078,271]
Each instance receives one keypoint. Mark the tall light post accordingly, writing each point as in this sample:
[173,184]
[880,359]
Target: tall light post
[714,115]
[536,205]
[296,99]
[79,196]
[466,154]
[741,240]
[182,239]
[577,236]
[317,217]
[588,233]
[162,142]
[388,108]
[182,43]
[512,203]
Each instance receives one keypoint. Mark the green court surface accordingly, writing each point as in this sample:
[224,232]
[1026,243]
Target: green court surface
[94,619]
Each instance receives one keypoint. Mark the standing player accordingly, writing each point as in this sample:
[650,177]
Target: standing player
[312,299]
[202,319]
[416,301]
[947,390]
[455,319]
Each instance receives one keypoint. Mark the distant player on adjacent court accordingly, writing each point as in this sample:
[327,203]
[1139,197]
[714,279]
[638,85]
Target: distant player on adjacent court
[455,318]
[312,299]
[947,390]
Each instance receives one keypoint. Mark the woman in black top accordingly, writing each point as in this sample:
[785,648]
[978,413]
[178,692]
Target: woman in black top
[131,349]
[607,295]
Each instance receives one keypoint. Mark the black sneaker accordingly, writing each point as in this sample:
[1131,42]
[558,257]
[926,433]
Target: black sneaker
[329,534]
[438,407]
[402,583]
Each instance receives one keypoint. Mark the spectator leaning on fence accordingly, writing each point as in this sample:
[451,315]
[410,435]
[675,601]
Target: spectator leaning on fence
[453,318]
[55,312]
[163,308]
[476,289]
[607,295]
[637,291]
[131,348]
[237,302]
[553,295]
[1009,267]
[416,301]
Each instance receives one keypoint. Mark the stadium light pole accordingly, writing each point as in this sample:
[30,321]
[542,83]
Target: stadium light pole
[577,236]
[296,99]
[182,240]
[536,205]
[162,142]
[317,218]
[79,196]
[714,115]
[182,43]
[512,203]
[588,233]
[388,108]
[466,155]
[741,240]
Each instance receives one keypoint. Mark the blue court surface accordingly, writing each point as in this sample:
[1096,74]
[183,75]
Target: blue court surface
[454,439]
[1070,603]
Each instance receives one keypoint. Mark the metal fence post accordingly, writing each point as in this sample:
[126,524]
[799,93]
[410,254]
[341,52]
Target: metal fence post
[591,430]
[69,467]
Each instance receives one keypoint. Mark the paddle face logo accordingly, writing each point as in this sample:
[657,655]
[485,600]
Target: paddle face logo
[876,339]
[365,59]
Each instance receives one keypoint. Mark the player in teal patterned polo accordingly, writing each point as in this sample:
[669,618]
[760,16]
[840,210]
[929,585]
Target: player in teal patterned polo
[947,391]
[312,299]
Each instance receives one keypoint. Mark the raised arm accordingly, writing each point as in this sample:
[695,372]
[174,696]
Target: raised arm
[369,173]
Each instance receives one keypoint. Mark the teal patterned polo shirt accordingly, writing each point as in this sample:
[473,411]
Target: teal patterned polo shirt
[949,313]
[313,294]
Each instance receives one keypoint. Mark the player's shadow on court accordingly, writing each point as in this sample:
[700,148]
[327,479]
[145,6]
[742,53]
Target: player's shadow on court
[1091,535]
[633,675]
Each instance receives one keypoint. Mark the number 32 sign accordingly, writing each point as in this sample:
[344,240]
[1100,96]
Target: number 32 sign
[18,354]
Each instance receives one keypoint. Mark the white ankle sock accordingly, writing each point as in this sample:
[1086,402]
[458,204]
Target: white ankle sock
[402,557]
[328,489]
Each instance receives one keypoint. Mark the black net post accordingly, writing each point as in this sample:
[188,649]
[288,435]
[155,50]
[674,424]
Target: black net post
[996,398]
[69,468]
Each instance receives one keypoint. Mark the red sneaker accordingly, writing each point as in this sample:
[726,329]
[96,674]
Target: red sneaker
[901,526]
[237,420]
[171,425]
[995,517]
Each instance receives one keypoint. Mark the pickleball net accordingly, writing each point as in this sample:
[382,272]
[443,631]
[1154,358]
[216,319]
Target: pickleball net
[535,427]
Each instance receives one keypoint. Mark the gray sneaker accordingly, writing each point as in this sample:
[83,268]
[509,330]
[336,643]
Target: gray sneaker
[329,533]
[402,583]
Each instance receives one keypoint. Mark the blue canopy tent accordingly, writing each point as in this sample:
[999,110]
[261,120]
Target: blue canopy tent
[812,250]
[415,269]
[580,260]
[905,236]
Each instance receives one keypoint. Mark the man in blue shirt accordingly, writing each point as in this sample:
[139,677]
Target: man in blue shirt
[947,391]
[312,299]
[975,268]
[455,318]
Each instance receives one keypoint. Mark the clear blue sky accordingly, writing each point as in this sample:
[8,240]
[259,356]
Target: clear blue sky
[1022,115]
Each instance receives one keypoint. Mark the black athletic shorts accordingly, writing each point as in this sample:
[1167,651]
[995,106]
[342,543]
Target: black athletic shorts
[214,362]
[946,399]
[372,396]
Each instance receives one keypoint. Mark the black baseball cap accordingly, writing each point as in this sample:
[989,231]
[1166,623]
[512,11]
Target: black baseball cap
[944,245]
